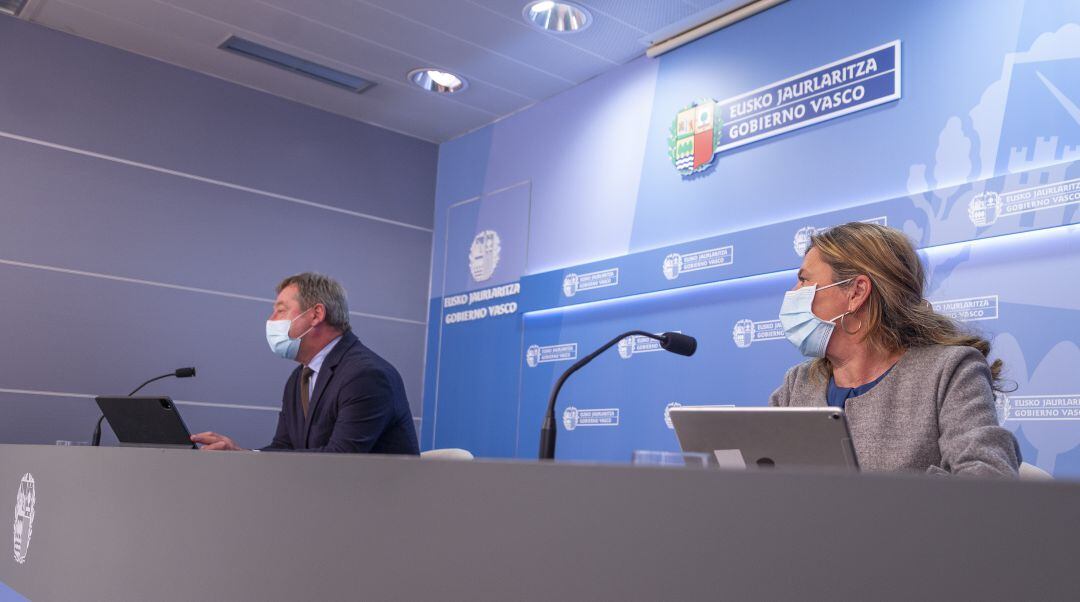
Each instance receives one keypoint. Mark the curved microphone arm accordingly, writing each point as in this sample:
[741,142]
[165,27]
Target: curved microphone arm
[136,390]
[548,431]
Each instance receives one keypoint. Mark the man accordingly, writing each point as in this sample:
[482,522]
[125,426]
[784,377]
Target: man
[342,398]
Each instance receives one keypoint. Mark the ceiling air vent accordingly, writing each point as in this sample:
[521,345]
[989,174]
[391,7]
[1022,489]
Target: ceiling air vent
[12,7]
[277,58]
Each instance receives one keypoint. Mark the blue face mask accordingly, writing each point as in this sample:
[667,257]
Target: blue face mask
[277,335]
[804,329]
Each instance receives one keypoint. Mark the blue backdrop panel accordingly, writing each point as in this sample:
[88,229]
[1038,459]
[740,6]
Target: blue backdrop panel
[1019,202]
[977,161]
[742,354]
[987,266]
[1012,289]
[637,379]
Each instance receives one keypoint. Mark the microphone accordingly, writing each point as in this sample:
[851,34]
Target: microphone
[188,372]
[180,373]
[674,342]
[677,342]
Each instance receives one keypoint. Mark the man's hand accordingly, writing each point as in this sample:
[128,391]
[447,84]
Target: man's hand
[211,441]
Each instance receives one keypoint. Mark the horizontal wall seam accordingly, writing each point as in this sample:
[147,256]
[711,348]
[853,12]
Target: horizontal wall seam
[208,404]
[180,287]
[233,406]
[205,180]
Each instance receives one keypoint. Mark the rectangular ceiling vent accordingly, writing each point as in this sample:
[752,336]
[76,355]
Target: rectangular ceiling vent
[12,7]
[277,58]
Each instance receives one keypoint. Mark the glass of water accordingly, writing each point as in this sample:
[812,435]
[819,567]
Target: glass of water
[647,457]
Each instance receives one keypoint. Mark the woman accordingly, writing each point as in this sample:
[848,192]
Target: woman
[917,391]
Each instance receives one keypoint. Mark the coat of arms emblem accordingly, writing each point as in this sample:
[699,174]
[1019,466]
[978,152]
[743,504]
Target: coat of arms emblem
[693,137]
[570,418]
[484,255]
[24,517]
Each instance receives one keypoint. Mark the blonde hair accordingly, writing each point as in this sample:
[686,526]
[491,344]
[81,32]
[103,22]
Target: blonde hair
[896,315]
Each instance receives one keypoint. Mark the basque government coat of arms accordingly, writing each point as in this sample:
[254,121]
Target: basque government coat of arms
[693,136]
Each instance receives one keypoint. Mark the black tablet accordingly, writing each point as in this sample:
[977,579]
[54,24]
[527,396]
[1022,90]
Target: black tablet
[145,421]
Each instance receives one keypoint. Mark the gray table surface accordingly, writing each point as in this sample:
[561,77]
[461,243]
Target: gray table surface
[144,524]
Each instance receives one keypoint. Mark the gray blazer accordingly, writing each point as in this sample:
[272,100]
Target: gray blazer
[933,412]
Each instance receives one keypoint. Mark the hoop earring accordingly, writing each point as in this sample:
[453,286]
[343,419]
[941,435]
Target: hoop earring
[844,328]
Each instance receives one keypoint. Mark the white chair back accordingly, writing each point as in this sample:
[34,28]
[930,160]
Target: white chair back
[1030,472]
[448,453]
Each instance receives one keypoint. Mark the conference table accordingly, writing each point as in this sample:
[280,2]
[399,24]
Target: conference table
[153,524]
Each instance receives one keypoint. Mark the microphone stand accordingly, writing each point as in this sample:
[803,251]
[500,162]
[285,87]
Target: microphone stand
[548,431]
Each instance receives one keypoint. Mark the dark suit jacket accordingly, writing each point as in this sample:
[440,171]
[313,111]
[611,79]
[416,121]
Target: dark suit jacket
[358,406]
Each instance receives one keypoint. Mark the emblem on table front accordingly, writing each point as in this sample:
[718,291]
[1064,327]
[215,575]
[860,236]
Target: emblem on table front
[24,517]
[667,414]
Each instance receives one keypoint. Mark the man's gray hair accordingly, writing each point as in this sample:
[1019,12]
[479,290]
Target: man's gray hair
[315,288]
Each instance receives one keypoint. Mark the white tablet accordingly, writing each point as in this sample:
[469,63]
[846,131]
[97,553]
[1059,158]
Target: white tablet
[760,437]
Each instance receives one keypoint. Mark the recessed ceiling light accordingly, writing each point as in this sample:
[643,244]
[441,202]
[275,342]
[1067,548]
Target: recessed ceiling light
[434,80]
[557,17]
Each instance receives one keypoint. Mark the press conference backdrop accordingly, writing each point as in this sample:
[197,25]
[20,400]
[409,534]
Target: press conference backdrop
[671,195]
[147,213]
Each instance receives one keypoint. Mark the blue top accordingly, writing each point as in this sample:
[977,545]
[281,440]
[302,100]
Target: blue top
[838,396]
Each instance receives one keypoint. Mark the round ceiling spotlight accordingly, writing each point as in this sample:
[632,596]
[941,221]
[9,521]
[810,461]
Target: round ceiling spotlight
[557,17]
[434,80]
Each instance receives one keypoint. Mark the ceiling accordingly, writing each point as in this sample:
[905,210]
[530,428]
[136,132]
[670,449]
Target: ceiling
[508,63]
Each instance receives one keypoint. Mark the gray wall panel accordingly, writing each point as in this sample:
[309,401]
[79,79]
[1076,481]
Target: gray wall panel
[47,419]
[99,336]
[144,110]
[106,337]
[184,223]
[78,212]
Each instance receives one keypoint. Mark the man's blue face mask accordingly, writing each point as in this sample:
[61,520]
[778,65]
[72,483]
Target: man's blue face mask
[277,335]
[809,333]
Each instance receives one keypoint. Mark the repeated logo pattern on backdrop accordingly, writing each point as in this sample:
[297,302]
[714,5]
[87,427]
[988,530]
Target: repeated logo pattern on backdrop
[574,418]
[802,235]
[537,354]
[747,332]
[985,208]
[574,283]
[676,264]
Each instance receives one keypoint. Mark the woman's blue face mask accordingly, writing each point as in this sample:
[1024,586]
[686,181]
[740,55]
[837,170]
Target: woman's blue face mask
[809,333]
